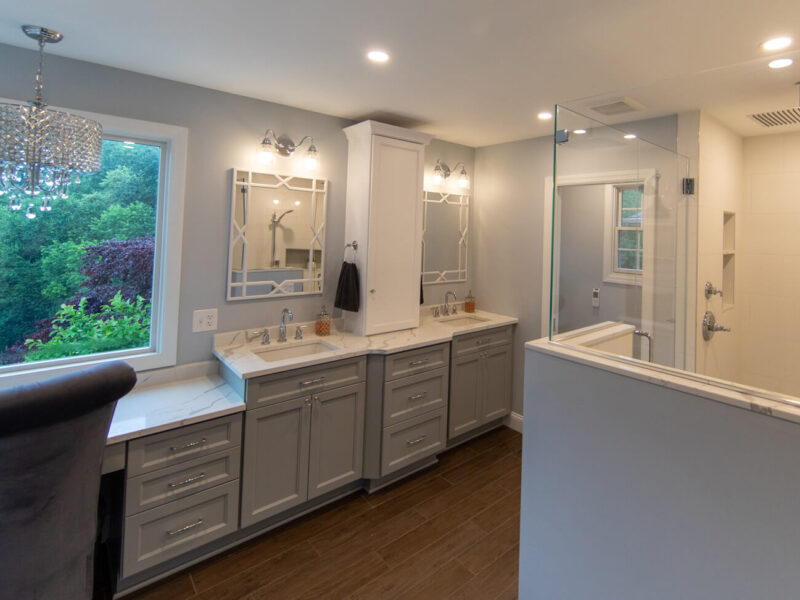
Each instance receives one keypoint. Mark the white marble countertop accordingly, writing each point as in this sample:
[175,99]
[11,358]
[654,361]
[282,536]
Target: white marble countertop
[240,356]
[699,385]
[154,408]
[171,398]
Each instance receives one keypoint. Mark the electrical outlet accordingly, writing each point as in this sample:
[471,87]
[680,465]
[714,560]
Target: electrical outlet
[596,298]
[204,319]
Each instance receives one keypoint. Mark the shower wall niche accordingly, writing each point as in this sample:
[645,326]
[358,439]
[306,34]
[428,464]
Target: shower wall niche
[728,259]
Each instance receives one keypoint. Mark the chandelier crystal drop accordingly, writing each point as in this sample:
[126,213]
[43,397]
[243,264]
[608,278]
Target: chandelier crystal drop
[44,151]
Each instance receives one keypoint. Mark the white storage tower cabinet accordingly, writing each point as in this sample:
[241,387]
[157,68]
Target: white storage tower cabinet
[384,215]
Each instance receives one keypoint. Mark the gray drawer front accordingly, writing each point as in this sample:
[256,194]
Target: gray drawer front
[156,535]
[408,363]
[412,440]
[482,340]
[280,387]
[185,443]
[412,396]
[159,487]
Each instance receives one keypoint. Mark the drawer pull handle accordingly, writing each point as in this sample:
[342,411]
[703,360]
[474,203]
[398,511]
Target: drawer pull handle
[481,342]
[187,446]
[186,527]
[416,441]
[177,484]
[312,381]
[419,396]
[416,363]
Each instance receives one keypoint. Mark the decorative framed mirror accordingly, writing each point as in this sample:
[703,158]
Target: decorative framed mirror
[277,235]
[445,229]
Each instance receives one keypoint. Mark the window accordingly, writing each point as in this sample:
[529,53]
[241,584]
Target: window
[623,252]
[96,277]
[628,228]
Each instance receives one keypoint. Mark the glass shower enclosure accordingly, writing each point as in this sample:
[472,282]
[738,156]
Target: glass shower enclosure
[617,257]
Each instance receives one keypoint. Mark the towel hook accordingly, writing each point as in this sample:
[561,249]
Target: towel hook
[354,246]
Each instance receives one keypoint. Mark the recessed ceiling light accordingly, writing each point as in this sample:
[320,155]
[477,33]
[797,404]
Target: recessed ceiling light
[780,63]
[378,56]
[579,131]
[630,136]
[544,115]
[778,43]
[276,201]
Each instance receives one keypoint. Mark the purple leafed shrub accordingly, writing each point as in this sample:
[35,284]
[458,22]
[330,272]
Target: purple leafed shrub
[124,266]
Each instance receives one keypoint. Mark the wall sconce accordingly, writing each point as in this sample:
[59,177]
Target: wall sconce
[441,172]
[271,145]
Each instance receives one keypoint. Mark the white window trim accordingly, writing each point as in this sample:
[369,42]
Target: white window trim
[610,273]
[166,269]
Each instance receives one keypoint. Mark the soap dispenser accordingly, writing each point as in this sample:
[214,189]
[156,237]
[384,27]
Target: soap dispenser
[469,303]
[323,324]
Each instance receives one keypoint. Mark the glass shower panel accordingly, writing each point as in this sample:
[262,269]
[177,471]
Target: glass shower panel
[618,275]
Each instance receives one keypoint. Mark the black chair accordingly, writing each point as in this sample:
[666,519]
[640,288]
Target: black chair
[52,437]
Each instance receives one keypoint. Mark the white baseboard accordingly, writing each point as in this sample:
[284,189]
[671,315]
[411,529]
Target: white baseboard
[514,421]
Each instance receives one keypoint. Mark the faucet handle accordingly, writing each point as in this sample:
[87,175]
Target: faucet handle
[265,338]
[253,334]
[298,334]
[454,310]
[435,312]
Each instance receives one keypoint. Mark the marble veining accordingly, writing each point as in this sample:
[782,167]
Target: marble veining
[151,409]
[740,398]
[233,349]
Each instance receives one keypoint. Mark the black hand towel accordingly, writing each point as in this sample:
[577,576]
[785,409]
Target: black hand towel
[348,290]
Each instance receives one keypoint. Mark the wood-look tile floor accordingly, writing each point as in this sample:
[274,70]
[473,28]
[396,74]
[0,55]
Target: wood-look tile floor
[449,532]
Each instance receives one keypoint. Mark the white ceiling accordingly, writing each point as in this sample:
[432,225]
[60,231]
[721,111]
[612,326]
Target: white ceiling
[468,71]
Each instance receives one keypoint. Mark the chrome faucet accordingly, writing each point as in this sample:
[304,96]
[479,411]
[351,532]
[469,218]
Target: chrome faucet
[446,309]
[282,328]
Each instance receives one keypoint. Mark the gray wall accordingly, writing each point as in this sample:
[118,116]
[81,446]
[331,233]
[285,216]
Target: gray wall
[223,129]
[582,240]
[634,491]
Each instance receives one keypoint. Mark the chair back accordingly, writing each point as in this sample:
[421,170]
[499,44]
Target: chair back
[52,438]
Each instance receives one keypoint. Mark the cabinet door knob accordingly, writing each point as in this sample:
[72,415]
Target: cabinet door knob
[372,291]
[308,401]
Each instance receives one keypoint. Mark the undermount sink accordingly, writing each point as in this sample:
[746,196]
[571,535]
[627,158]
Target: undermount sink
[294,350]
[461,320]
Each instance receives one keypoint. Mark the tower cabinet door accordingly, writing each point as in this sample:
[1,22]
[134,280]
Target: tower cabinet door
[497,383]
[337,439]
[395,231]
[466,385]
[275,470]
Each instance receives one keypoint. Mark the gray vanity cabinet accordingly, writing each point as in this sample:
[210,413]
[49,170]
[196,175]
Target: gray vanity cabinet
[298,449]
[466,391]
[337,439]
[275,474]
[480,379]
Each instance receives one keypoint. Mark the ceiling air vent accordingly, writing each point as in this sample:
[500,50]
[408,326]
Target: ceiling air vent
[787,116]
[617,106]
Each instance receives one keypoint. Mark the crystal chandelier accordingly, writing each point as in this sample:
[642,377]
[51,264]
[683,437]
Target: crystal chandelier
[43,151]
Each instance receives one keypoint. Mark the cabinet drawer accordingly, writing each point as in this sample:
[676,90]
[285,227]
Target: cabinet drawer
[412,396]
[412,440]
[407,363]
[297,382]
[161,533]
[182,444]
[482,340]
[159,487]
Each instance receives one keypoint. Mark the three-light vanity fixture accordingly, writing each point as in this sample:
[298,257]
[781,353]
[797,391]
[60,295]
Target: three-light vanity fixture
[272,146]
[441,172]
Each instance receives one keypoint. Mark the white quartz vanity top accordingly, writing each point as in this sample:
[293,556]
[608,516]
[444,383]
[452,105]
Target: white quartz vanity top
[707,387]
[238,355]
[154,408]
